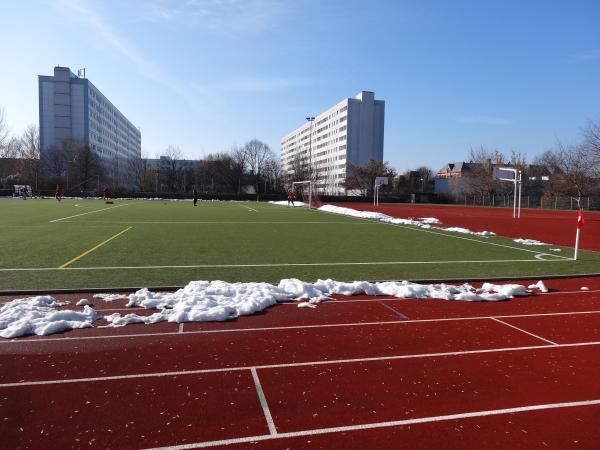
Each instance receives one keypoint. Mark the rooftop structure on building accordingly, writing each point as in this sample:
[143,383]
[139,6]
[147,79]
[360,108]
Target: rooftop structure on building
[72,108]
[349,133]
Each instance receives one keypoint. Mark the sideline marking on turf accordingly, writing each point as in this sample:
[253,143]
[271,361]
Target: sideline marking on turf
[89,212]
[432,231]
[215,222]
[375,425]
[247,207]
[225,266]
[263,402]
[15,341]
[68,263]
[524,331]
[297,364]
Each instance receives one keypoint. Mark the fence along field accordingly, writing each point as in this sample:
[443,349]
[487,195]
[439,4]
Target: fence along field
[88,244]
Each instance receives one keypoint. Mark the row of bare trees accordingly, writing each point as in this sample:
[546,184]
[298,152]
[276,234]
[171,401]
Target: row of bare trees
[251,169]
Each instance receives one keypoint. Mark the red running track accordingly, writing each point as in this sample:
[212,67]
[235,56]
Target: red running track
[356,372]
[552,227]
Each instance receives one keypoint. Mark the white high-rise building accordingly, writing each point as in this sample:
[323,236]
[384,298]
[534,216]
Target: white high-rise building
[350,132]
[72,108]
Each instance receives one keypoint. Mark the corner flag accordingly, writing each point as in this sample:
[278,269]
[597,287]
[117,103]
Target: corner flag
[580,219]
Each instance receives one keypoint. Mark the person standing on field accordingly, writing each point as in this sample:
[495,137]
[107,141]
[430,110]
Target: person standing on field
[290,197]
[105,193]
[195,192]
[58,194]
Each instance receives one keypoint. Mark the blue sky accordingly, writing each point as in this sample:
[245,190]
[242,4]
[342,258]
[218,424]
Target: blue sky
[208,74]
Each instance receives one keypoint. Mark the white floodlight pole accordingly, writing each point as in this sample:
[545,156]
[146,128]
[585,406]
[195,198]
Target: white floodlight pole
[520,191]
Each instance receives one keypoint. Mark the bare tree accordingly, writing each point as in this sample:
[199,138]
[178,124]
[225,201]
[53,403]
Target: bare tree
[30,154]
[591,144]
[362,178]
[257,154]
[4,134]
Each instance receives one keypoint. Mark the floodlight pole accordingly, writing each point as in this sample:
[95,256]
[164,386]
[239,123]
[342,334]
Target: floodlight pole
[311,120]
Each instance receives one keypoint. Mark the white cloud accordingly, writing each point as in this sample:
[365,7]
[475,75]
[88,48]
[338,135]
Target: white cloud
[228,17]
[483,120]
[95,23]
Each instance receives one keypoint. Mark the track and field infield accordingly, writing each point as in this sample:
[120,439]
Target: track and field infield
[358,372]
[88,244]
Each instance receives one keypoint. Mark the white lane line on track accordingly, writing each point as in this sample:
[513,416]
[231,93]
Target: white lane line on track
[235,266]
[376,425]
[16,341]
[398,313]
[297,364]
[263,402]
[523,331]
[89,212]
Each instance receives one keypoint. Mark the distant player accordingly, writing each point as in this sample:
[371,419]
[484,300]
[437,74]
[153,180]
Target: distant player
[105,194]
[291,196]
[195,193]
[59,193]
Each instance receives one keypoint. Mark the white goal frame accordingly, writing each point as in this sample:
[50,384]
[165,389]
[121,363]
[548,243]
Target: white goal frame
[310,190]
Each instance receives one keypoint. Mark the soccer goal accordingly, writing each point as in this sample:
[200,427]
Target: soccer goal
[305,191]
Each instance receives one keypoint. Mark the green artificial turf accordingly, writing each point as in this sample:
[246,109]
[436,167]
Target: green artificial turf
[171,243]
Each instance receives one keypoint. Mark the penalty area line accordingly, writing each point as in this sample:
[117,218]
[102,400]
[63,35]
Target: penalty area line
[234,266]
[85,213]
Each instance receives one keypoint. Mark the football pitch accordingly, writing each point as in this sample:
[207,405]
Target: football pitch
[89,244]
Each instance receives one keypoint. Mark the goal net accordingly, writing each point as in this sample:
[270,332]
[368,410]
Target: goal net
[305,192]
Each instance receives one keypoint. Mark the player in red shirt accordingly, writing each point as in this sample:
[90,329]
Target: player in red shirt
[59,193]
[291,196]
[105,193]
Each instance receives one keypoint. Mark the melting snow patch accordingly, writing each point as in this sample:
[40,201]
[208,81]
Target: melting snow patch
[82,302]
[530,242]
[110,297]
[539,285]
[584,288]
[467,231]
[39,315]
[555,250]
[306,305]
[285,203]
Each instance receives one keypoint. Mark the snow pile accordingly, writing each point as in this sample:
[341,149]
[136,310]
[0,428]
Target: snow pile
[584,288]
[110,297]
[529,242]
[539,285]
[424,222]
[82,302]
[202,301]
[467,231]
[39,315]
[285,203]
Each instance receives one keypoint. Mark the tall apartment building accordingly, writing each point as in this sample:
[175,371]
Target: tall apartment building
[350,132]
[72,108]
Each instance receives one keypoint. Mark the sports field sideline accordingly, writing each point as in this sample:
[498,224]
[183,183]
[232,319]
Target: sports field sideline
[89,244]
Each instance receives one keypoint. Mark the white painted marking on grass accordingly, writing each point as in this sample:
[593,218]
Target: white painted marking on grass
[377,425]
[523,331]
[247,207]
[226,222]
[424,230]
[89,212]
[398,313]
[226,266]
[297,364]
[16,341]
[263,402]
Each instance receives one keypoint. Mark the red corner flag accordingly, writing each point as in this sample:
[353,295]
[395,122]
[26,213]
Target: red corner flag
[580,219]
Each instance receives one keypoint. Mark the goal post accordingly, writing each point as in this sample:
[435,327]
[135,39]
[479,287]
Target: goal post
[307,192]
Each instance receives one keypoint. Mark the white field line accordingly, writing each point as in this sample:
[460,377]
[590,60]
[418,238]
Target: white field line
[523,331]
[297,364]
[28,342]
[378,425]
[398,313]
[226,266]
[247,207]
[263,403]
[89,212]
[425,230]
[214,222]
